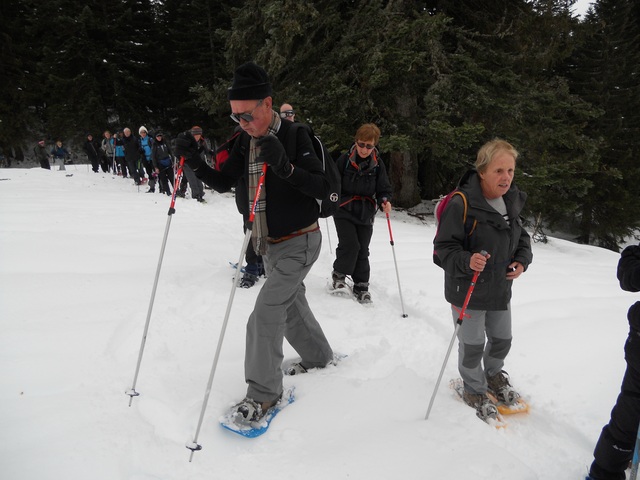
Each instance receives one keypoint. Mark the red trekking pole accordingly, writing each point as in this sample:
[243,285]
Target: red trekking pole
[455,333]
[132,392]
[193,446]
[404,315]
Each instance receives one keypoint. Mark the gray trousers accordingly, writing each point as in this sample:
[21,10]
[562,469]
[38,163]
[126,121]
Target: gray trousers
[197,189]
[477,326]
[281,311]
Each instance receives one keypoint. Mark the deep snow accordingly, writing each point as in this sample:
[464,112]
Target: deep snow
[78,256]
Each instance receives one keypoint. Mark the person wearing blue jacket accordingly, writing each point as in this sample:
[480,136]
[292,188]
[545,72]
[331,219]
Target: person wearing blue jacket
[121,162]
[59,154]
[145,145]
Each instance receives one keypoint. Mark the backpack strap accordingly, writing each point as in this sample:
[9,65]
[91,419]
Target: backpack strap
[292,138]
[470,223]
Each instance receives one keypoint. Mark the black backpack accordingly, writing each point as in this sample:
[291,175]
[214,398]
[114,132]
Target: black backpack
[328,205]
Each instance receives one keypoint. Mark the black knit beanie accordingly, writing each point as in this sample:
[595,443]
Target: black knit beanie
[250,82]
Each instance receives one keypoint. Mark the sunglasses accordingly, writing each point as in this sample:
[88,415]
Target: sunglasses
[287,113]
[247,117]
[368,146]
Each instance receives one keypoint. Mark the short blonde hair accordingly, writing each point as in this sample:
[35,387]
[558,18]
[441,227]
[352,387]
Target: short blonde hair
[490,149]
[368,131]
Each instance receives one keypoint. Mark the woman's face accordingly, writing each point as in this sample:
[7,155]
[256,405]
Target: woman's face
[497,177]
[364,147]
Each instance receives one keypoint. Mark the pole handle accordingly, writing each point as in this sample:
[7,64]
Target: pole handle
[252,214]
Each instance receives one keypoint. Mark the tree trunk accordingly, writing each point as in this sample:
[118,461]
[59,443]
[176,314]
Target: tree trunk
[403,174]
[403,167]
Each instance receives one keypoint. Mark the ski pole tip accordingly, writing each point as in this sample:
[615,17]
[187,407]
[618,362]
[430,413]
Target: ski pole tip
[132,393]
[193,446]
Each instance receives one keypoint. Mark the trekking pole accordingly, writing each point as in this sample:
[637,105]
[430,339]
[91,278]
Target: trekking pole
[404,315]
[132,392]
[455,333]
[329,236]
[193,446]
[636,458]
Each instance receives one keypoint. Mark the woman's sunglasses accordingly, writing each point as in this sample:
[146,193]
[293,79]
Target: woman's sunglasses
[368,146]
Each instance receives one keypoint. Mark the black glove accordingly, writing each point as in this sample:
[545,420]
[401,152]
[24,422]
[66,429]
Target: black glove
[631,251]
[272,152]
[187,147]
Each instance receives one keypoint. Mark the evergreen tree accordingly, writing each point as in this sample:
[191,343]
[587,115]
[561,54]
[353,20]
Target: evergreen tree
[70,65]
[16,119]
[502,80]
[196,40]
[606,73]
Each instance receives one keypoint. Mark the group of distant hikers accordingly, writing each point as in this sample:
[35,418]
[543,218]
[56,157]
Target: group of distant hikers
[146,158]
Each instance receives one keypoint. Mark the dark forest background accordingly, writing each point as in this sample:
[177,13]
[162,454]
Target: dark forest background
[440,77]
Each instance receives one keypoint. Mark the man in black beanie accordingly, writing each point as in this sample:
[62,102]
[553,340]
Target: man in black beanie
[285,232]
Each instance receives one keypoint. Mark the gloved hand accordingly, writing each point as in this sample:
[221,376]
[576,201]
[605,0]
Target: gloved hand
[187,147]
[631,250]
[272,152]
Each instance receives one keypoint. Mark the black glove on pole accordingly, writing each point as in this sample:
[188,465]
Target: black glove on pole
[187,147]
[272,152]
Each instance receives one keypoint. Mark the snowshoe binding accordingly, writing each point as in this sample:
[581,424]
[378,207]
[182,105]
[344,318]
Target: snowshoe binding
[506,398]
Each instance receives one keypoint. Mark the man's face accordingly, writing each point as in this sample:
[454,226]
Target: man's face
[259,110]
[287,113]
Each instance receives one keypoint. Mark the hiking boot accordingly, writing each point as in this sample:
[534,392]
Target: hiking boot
[256,269]
[249,411]
[363,296]
[339,280]
[248,280]
[485,408]
[295,369]
[500,388]
[151,190]
[361,292]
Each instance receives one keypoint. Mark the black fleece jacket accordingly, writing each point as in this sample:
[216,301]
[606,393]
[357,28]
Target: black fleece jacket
[291,202]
